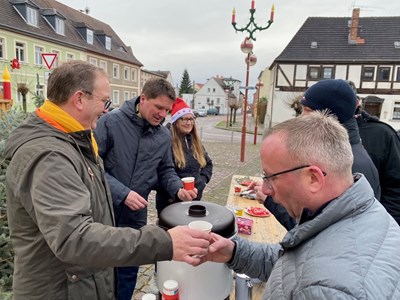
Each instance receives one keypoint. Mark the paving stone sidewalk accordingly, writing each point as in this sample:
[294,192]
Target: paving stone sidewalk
[226,161]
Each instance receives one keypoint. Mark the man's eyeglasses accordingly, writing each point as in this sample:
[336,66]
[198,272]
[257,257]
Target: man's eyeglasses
[187,120]
[267,181]
[107,102]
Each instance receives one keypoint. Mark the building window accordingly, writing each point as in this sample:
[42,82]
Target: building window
[327,73]
[38,55]
[218,101]
[108,43]
[398,74]
[103,65]
[2,48]
[60,26]
[396,111]
[31,16]
[116,71]
[115,97]
[133,75]
[126,73]
[93,61]
[20,51]
[57,59]
[133,94]
[126,96]
[89,36]
[313,73]
[384,73]
[70,56]
[368,73]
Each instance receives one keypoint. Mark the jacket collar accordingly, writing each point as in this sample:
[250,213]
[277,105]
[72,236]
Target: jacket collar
[353,201]
[352,129]
[129,108]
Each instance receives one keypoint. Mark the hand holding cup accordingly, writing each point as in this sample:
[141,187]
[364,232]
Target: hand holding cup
[201,225]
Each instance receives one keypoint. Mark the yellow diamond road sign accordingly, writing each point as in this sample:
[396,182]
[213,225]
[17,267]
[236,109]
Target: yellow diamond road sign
[49,59]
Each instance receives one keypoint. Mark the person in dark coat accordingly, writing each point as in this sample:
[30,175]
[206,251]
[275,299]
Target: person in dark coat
[136,149]
[383,145]
[190,157]
[336,96]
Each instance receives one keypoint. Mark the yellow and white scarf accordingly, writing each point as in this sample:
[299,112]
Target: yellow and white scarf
[63,121]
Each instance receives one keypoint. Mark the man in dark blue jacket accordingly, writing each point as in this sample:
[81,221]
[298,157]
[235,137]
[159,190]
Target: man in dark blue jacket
[136,150]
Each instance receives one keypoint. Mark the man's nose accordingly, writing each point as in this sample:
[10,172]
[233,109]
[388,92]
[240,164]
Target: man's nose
[267,191]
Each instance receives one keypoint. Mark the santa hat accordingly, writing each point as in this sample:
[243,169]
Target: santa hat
[179,109]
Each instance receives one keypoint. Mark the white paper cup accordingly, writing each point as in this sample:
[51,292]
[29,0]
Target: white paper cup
[201,225]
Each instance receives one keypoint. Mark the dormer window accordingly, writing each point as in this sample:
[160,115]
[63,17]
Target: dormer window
[27,10]
[55,20]
[85,32]
[60,26]
[89,36]
[103,38]
[108,43]
[31,16]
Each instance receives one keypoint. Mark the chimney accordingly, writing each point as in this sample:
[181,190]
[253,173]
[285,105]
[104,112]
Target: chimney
[353,33]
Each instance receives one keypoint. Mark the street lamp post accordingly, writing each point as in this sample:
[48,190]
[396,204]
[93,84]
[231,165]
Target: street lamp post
[227,91]
[258,85]
[247,46]
[251,59]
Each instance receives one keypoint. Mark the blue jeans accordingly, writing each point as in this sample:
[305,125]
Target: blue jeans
[127,276]
[126,282]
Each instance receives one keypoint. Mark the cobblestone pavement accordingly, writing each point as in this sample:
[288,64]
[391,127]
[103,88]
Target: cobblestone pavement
[226,161]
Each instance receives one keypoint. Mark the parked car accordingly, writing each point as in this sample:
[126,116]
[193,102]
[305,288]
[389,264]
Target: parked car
[201,112]
[195,112]
[213,111]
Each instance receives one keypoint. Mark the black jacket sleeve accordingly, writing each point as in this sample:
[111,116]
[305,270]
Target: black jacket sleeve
[280,213]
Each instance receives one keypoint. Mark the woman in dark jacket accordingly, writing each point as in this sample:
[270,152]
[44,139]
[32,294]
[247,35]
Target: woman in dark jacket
[190,157]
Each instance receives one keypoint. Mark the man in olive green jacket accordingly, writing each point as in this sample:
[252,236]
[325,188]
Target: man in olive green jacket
[59,205]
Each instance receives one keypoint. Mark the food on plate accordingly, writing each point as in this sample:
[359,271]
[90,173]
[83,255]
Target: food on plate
[238,189]
[257,211]
[246,181]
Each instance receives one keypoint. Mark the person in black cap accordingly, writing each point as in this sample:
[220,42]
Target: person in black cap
[383,145]
[339,98]
[336,96]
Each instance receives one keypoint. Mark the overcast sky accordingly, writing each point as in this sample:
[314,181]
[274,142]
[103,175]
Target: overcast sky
[198,36]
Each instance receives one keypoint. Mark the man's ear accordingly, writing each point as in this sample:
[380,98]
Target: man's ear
[316,179]
[77,100]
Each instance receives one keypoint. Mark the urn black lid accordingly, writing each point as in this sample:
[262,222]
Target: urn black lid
[182,213]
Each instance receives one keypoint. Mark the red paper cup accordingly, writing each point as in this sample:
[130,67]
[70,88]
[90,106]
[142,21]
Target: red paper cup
[238,189]
[188,183]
